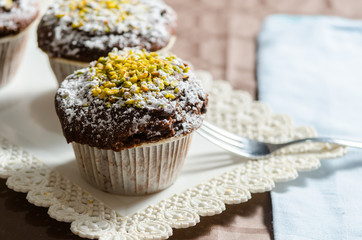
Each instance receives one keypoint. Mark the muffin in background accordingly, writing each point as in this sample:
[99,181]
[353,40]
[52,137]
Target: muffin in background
[15,18]
[130,117]
[76,32]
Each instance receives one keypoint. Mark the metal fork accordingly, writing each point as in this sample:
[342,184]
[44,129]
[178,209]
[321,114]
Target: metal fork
[254,149]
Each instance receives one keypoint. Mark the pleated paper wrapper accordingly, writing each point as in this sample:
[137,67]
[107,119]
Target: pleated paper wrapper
[11,51]
[140,170]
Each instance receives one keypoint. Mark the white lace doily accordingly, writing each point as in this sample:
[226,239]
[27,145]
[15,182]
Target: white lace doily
[230,109]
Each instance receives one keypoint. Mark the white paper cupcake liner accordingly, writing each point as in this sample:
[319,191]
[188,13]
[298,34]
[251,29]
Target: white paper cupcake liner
[11,51]
[63,67]
[135,171]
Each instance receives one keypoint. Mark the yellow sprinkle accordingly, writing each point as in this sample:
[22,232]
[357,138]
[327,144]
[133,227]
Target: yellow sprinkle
[170,95]
[155,74]
[161,86]
[112,91]
[130,101]
[96,91]
[152,68]
[144,88]
[135,89]
[143,75]
[115,76]
[128,76]
[111,55]
[109,66]
[109,84]
[100,66]
[119,66]
[104,93]
[133,79]
[154,54]
[127,84]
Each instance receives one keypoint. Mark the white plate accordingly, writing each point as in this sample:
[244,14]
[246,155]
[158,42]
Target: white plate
[211,176]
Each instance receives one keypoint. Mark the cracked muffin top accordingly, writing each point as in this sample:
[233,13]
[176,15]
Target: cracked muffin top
[16,15]
[83,30]
[129,98]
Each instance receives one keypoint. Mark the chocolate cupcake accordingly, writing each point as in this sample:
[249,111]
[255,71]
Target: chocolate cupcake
[76,32]
[15,17]
[130,117]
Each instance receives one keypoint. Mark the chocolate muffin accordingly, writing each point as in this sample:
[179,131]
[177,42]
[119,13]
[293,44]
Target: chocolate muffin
[15,17]
[75,32]
[130,117]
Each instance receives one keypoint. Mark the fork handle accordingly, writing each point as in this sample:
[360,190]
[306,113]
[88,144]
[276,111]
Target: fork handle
[342,142]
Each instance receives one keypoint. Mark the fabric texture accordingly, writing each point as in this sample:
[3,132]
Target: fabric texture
[310,67]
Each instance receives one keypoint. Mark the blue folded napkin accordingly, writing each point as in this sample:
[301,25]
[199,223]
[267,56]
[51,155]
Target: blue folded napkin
[310,67]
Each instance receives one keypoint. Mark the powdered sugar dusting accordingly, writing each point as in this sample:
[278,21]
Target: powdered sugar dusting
[95,24]
[15,10]
[76,100]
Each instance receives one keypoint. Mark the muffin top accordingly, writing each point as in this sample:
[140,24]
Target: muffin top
[84,30]
[129,98]
[16,15]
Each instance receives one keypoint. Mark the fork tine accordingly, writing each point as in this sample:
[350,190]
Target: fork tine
[225,133]
[224,138]
[208,135]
